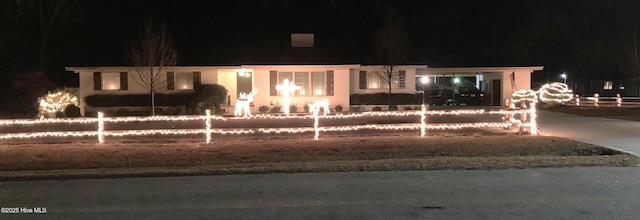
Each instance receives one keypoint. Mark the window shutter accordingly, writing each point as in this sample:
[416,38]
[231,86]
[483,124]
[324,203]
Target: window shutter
[171,81]
[401,77]
[196,80]
[97,81]
[124,81]
[363,79]
[273,82]
[329,82]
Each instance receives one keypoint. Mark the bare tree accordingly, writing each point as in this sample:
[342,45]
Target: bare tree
[632,68]
[390,46]
[151,54]
[51,15]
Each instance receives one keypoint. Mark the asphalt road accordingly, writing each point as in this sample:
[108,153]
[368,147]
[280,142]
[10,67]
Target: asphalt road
[568,193]
[617,134]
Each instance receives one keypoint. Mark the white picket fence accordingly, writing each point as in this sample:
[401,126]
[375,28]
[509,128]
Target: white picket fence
[598,101]
[522,119]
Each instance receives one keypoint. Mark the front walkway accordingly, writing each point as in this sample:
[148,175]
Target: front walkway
[613,133]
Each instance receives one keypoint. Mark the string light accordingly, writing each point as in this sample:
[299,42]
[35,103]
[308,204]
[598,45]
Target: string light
[100,127]
[524,95]
[555,92]
[287,87]
[55,102]
[243,104]
[423,126]
[208,125]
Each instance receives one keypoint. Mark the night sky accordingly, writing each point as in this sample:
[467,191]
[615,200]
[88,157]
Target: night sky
[446,33]
[589,39]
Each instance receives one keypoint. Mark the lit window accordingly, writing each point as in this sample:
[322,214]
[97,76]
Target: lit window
[302,80]
[310,83]
[378,81]
[317,83]
[608,85]
[184,80]
[110,81]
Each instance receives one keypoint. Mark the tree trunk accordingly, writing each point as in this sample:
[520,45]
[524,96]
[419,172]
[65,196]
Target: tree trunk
[389,97]
[153,103]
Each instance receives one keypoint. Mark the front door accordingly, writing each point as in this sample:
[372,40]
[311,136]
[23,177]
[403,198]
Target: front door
[244,82]
[496,92]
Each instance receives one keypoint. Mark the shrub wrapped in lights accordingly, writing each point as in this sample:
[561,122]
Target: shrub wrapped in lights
[56,101]
[555,93]
[524,95]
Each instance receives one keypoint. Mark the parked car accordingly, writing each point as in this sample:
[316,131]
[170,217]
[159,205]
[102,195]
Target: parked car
[463,96]
[469,96]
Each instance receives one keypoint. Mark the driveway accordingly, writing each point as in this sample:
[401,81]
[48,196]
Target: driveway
[613,133]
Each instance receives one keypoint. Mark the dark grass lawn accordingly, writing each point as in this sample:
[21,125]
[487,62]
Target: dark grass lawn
[300,153]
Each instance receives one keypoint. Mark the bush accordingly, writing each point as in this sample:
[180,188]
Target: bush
[210,97]
[72,111]
[354,108]
[123,112]
[60,115]
[338,108]
[407,108]
[417,108]
[263,109]
[383,99]
[275,109]
[293,108]
[306,108]
[112,100]
[377,108]
[393,108]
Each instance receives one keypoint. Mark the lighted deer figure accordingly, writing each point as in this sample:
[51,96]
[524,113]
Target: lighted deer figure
[324,103]
[244,103]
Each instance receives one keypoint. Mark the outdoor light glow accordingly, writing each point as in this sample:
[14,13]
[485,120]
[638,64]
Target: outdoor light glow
[55,102]
[564,76]
[243,104]
[287,87]
[100,128]
[208,131]
[424,80]
[208,125]
[524,95]
[555,92]
[456,80]
[322,103]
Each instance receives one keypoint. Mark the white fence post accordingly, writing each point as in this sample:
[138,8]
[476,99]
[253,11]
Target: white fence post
[533,117]
[423,125]
[315,123]
[577,100]
[618,100]
[208,125]
[100,127]
[595,99]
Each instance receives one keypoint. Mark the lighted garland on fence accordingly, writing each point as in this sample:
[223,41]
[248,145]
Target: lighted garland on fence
[208,131]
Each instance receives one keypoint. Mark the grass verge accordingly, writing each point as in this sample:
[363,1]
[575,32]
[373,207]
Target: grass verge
[295,154]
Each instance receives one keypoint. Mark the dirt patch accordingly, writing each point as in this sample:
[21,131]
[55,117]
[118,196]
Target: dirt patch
[298,153]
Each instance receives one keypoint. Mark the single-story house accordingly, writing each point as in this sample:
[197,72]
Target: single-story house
[334,82]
